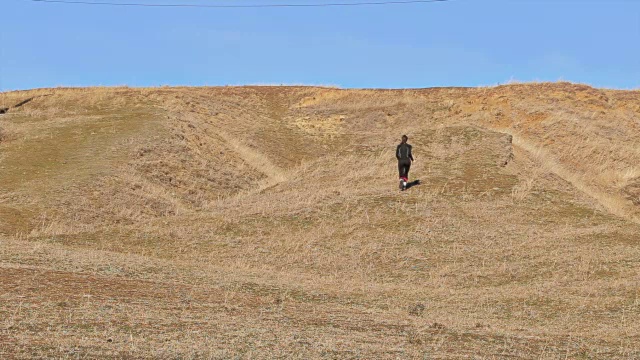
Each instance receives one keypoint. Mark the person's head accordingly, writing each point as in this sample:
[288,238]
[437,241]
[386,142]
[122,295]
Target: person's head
[405,138]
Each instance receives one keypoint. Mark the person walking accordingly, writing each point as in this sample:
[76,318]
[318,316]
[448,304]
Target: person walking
[405,158]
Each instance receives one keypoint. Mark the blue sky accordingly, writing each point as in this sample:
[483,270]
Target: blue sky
[455,43]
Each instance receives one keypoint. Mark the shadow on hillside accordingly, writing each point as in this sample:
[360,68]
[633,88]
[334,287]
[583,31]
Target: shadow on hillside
[412,184]
[21,103]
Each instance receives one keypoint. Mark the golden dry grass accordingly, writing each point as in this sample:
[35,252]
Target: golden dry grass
[264,222]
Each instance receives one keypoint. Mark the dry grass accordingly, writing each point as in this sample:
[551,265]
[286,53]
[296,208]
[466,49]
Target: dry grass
[264,222]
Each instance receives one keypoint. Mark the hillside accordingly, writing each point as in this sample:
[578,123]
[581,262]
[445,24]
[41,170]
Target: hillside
[265,222]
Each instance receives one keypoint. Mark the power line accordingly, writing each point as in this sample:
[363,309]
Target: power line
[366,3]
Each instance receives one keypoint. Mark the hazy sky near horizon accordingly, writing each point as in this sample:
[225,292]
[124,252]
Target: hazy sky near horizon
[455,43]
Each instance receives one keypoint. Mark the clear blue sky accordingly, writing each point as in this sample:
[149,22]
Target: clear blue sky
[456,43]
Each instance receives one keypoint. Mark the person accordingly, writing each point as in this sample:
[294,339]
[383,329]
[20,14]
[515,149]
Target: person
[405,158]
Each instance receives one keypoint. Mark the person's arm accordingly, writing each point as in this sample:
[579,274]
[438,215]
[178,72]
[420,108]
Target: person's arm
[410,154]
[398,152]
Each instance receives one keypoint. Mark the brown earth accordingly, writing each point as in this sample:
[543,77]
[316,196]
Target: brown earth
[265,222]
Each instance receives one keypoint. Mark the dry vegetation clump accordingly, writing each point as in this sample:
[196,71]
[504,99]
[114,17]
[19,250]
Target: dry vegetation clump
[262,222]
[7,132]
[4,136]
[632,190]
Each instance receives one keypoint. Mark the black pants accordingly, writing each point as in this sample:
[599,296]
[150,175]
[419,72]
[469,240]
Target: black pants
[403,168]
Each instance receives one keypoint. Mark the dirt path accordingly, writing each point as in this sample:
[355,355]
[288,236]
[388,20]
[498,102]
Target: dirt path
[256,159]
[614,204]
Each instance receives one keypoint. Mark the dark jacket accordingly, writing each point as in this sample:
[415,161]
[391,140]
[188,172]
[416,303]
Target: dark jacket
[403,152]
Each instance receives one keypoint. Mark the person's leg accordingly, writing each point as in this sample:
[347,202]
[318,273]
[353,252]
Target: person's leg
[403,167]
[401,170]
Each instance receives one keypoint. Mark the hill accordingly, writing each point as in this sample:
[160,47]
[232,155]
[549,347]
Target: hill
[262,222]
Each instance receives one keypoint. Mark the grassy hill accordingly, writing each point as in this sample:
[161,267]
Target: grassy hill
[265,222]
